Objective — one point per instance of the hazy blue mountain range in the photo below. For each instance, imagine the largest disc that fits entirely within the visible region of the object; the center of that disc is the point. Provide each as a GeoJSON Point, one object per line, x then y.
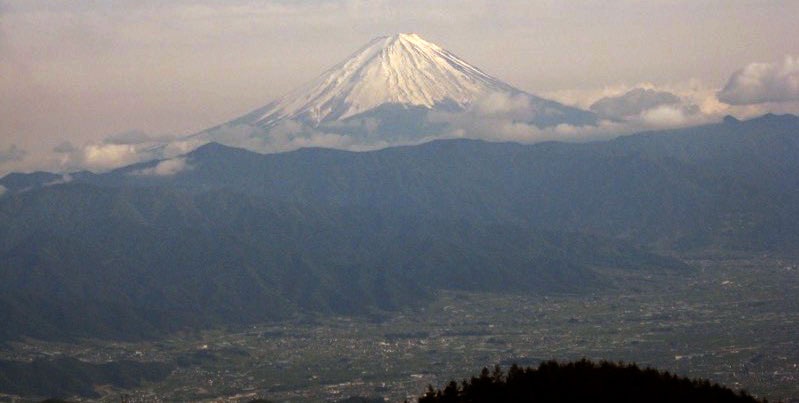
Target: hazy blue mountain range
{"type": "Point", "coordinates": [729, 185]}
{"type": "Point", "coordinates": [238, 237]}
{"type": "Point", "coordinates": [126, 262]}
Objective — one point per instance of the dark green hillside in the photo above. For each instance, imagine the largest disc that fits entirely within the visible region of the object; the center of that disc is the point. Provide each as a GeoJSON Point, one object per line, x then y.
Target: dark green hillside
{"type": "Point", "coordinates": [83, 260]}
{"type": "Point", "coordinates": [20, 182]}
{"type": "Point", "coordinates": [71, 377]}
{"type": "Point", "coordinates": [240, 237]}
{"type": "Point", "coordinates": [583, 381]}
{"type": "Point", "coordinates": [729, 186]}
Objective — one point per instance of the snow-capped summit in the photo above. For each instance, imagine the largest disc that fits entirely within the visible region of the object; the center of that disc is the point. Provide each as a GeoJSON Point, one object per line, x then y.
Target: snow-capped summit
{"type": "Point", "coordinates": [398, 89]}
{"type": "Point", "coordinates": [399, 69]}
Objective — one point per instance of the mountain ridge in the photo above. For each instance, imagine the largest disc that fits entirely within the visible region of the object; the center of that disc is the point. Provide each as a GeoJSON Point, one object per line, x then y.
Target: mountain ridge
{"type": "Point", "coordinates": [722, 181]}
{"type": "Point", "coordinates": [19, 180]}
{"type": "Point", "coordinates": [170, 260]}
{"type": "Point", "coordinates": [242, 237]}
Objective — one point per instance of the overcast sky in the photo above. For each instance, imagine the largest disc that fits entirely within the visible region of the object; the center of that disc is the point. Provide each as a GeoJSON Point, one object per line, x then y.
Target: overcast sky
{"type": "Point", "coordinates": [81, 71]}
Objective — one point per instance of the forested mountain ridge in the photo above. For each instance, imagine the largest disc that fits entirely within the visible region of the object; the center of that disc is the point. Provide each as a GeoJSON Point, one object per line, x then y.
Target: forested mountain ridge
{"type": "Point", "coordinates": [240, 237]}
{"type": "Point", "coordinates": [731, 185]}
{"type": "Point", "coordinates": [120, 262]}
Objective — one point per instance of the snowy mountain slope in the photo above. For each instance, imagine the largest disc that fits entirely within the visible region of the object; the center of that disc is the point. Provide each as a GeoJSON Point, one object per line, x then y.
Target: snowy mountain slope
{"type": "Point", "coordinates": [383, 95]}
{"type": "Point", "coordinates": [399, 69]}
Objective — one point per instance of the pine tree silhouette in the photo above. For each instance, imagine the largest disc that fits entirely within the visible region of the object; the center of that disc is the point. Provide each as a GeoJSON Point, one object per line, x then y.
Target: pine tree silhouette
{"type": "Point", "coordinates": [583, 381]}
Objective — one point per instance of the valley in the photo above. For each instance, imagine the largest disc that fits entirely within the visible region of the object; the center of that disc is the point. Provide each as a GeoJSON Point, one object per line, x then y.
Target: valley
{"type": "Point", "coordinates": [732, 320]}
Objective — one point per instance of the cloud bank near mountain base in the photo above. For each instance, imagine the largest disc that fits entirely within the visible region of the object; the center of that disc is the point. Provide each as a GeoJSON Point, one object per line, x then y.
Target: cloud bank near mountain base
{"type": "Point", "coordinates": [759, 83]}
{"type": "Point", "coordinates": [168, 167]}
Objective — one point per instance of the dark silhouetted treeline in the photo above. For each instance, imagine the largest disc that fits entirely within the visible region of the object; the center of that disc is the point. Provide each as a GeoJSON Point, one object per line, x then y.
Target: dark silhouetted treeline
{"type": "Point", "coordinates": [583, 381]}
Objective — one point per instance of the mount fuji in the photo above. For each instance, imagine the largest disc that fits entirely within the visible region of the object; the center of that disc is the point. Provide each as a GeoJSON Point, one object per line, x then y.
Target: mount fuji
{"type": "Point", "coordinates": [396, 89]}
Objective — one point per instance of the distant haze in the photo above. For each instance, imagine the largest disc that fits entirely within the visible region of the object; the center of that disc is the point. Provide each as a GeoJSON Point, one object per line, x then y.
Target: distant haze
{"type": "Point", "coordinates": [75, 75]}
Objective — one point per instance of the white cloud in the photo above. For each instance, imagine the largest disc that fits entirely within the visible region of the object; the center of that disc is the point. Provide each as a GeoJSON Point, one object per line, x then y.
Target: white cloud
{"type": "Point", "coordinates": [65, 178]}
{"type": "Point", "coordinates": [698, 104]}
{"type": "Point", "coordinates": [164, 168]}
{"type": "Point", "coordinates": [99, 156]}
{"type": "Point", "coordinates": [664, 116]}
{"type": "Point", "coordinates": [647, 106]}
{"type": "Point", "coordinates": [499, 104]}
{"type": "Point", "coordinates": [494, 117]}
{"type": "Point", "coordinates": [635, 102]}
{"type": "Point", "coordinates": [108, 156]}
{"type": "Point", "coordinates": [119, 150]}
{"type": "Point", "coordinates": [290, 135]}
{"type": "Point", "coordinates": [504, 118]}
{"type": "Point", "coordinates": [763, 82]}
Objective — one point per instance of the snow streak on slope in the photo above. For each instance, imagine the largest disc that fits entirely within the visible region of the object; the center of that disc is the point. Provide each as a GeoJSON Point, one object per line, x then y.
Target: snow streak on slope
{"type": "Point", "coordinates": [399, 69]}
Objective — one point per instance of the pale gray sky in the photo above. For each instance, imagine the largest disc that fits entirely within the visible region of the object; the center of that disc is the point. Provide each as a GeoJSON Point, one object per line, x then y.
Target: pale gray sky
{"type": "Point", "coordinates": [81, 71]}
